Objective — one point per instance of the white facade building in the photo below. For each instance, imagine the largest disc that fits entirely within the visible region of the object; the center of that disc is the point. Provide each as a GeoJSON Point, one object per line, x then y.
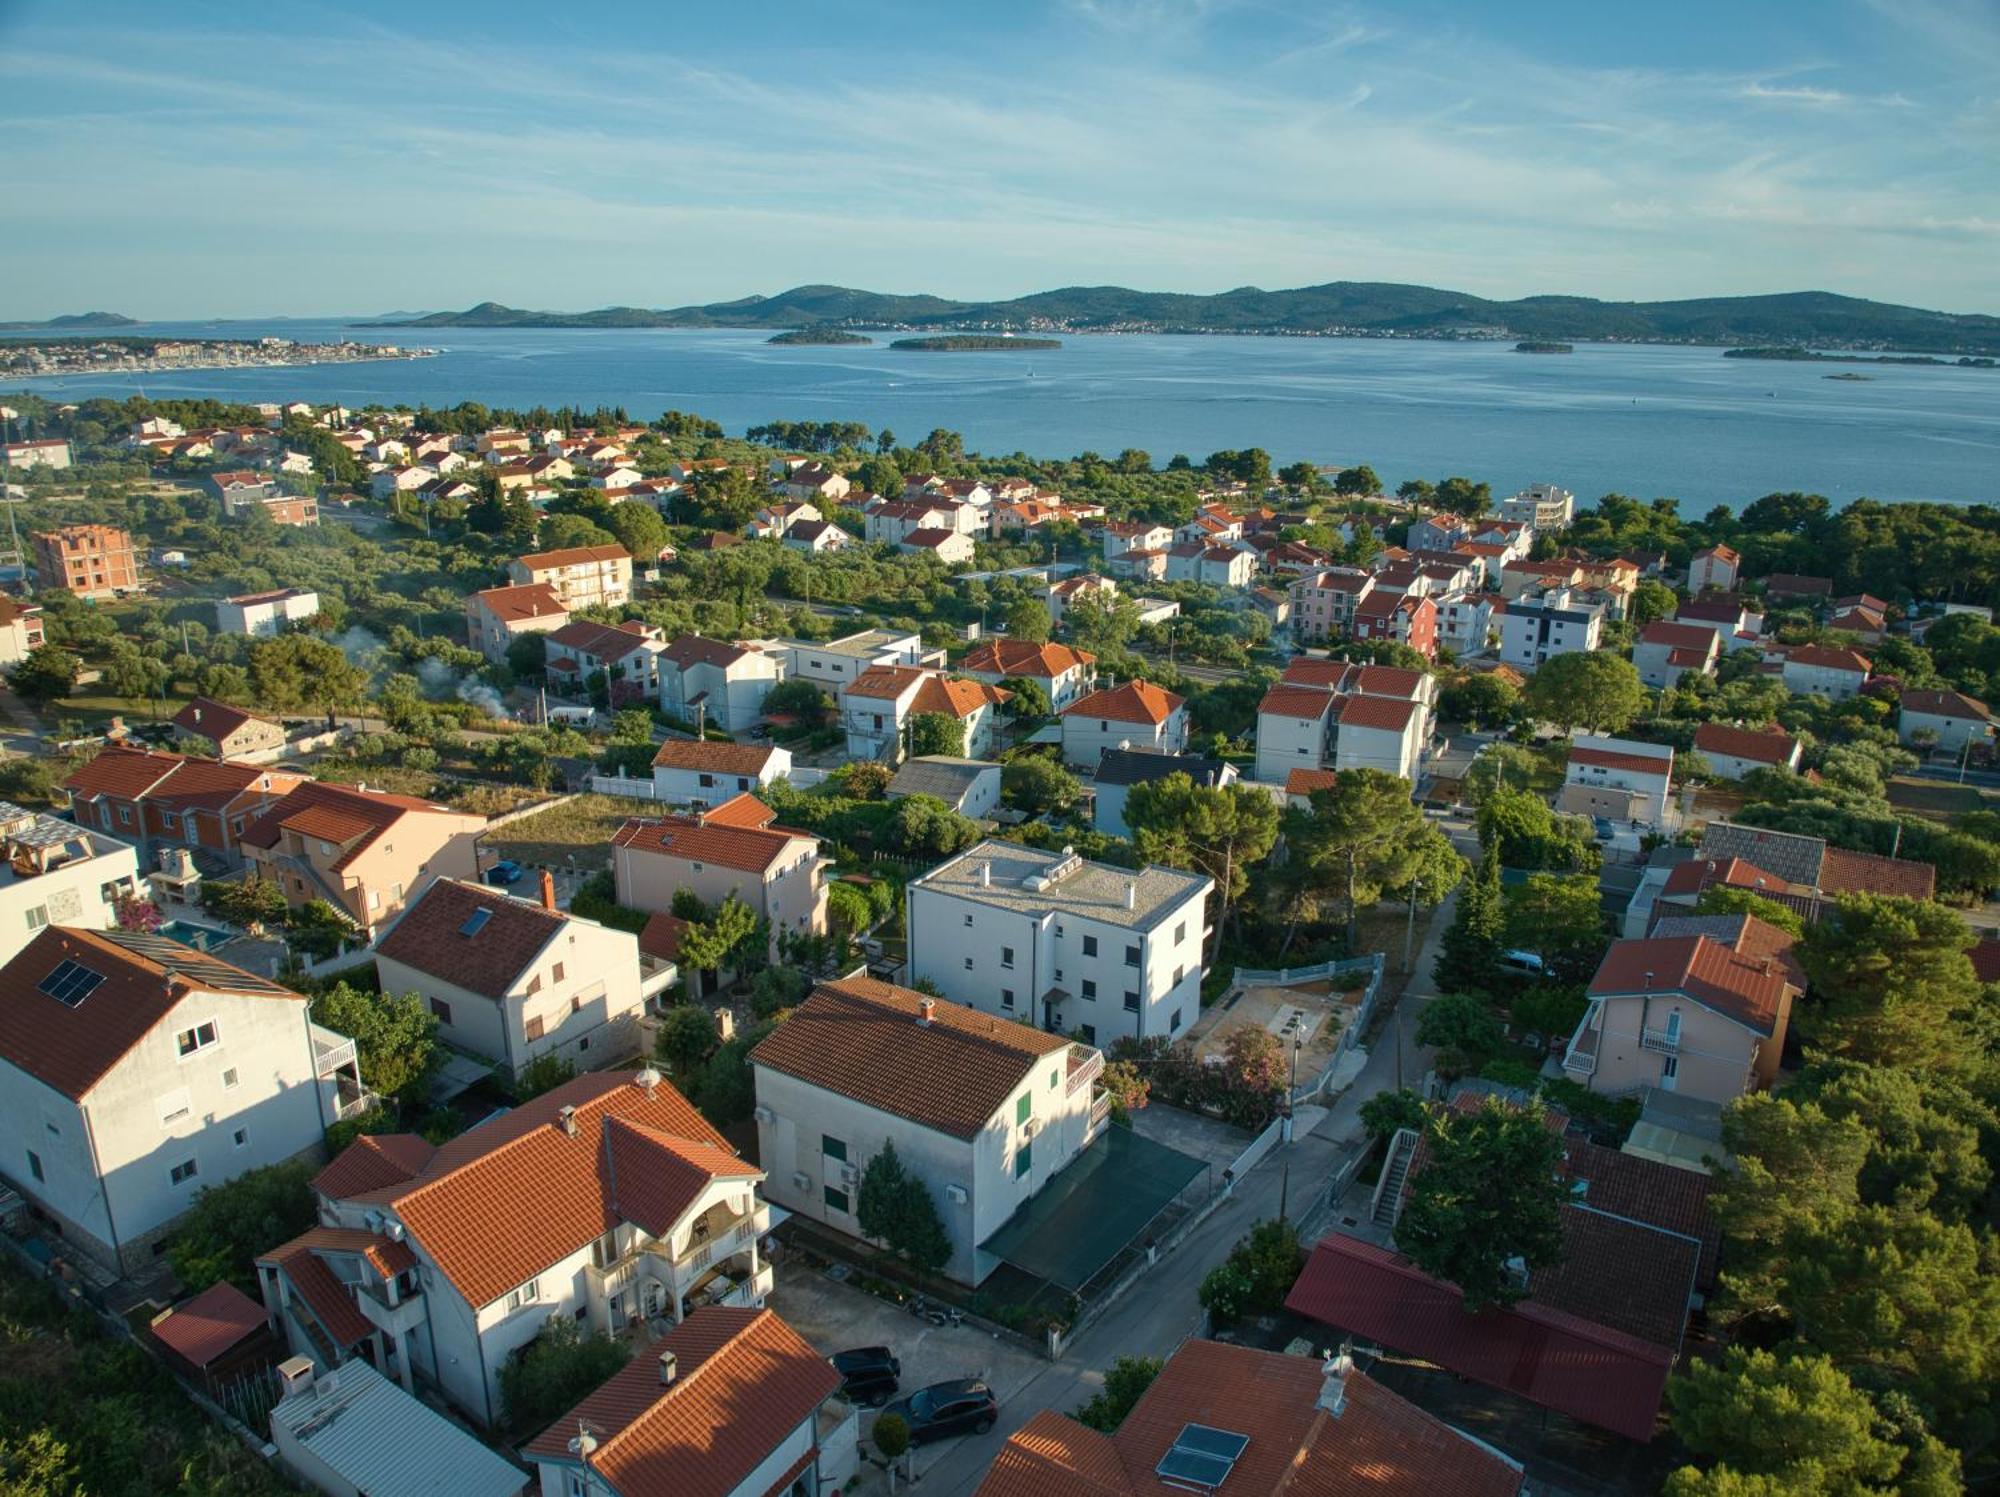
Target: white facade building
{"type": "Point", "coordinates": [1541, 507]}
{"type": "Point", "coordinates": [265, 613]}
{"type": "Point", "coordinates": [59, 873]}
{"type": "Point", "coordinates": [1534, 630]}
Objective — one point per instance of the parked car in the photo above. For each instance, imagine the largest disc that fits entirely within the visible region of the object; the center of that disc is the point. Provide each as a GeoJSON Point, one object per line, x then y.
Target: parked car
{"type": "Point", "coordinates": [506, 871]}
{"type": "Point", "coordinates": [964, 1406]}
{"type": "Point", "coordinates": [1522, 963]}
{"type": "Point", "coordinates": [1604, 829]}
{"type": "Point", "coordinates": [868, 1374]}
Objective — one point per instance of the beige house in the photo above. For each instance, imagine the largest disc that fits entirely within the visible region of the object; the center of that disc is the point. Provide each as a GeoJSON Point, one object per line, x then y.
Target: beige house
{"type": "Point", "coordinates": [515, 980]}
{"type": "Point", "coordinates": [1136, 714]}
{"type": "Point", "coordinates": [581, 576]}
{"type": "Point", "coordinates": [365, 852]}
{"type": "Point", "coordinates": [228, 732]}
{"type": "Point", "coordinates": [497, 617]}
{"type": "Point", "coordinates": [733, 849]}
{"type": "Point", "coordinates": [1700, 1006]}
{"type": "Point", "coordinates": [877, 706]}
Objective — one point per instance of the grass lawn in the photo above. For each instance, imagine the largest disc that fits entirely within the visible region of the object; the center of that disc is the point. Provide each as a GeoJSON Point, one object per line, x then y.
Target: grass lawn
{"type": "Point", "coordinates": [584, 824]}
{"type": "Point", "coordinates": [1936, 799]}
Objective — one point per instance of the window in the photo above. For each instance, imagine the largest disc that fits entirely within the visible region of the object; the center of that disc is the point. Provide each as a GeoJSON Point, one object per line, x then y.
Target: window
{"type": "Point", "coordinates": [968, 922]}
{"type": "Point", "coordinates": [1024, 1108]}
{"type": "Point", "coordinates": [833, 1148]}
{"type": "Point", "coordinates": [1180, 933]}
{"type": "Point", "coordinates": [1052, 1081]}
{"type": "Point", "coordinates": [707, 781]}
{"type": "Point", "coordinates": [125, 814]}
{"type": "Point", "coordinates": [968, 964]}
{"type": "Point", "coordinates": [35, 1166]}
{"type": "Point", "coordinates": [557, 974]}
{"type": "Point", "coordinates": [1024, 1160]}
{"type": "Point", "coordinates": [1087, 1033]}
{"type": "Point", "coordinates": [442, 1010]}
{"type": "Point", "coordinates": [1006, 997]}
{"type": "Point", "coordinates": [535, 1027]}
{"type": "Point", "coordinates": [1006, 956]}
{"type": "Point", "coordinates": [174, 1106]}
{"type": "Point", "coordinates": [1174, 1025]}
{"type": "Point", "coordinates": [1131, 956]}
{"type": "Point", "coordinates": [1090, 946]}
{"type": "Point", "coordinates": [241, 1138]}
{"type": "Point", "coordinates": [1179, 973]}
{"type": "Point", "coordinates": [1131, 1001]}
{"type": "Point", "coordinates": [38, 917]}
{"type": "Point", "coordinates": [527, 1294]}
{"type": "Point", "coordinates": [188, 1041]}
{"type": "Point", "coordinates": [1090, 989]}
{"type": "Point", "coordinates": [576, 1003]}
{"type": "Point", "coordinates": [836, 1200]}
{"type": "Point", "coordinates": [181, 1173]}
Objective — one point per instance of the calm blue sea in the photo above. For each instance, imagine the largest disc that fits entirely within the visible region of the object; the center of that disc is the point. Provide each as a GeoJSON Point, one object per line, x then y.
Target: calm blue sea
{"type": "Point", "coordinates": [1645, 421]}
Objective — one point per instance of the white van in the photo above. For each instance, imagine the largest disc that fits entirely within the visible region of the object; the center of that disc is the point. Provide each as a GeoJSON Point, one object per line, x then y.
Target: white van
{"type": "Point", "coordinates": [1521, 963]}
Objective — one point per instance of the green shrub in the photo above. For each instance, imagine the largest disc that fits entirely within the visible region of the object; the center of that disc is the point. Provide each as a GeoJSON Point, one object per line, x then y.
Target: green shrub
{"type": "Point", "coordinates": [555, 1370]}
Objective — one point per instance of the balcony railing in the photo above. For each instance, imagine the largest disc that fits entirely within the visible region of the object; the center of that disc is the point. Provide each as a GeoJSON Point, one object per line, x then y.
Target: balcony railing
{"type": "Point", "coordinates": [1100, 1110]}
{"type": "Point", "coordinates": [1666, 1041]}
{"type": "Point", "coordinates": [1083, 1075]}
{"type": "Point", "coordinates": [330, 1052]}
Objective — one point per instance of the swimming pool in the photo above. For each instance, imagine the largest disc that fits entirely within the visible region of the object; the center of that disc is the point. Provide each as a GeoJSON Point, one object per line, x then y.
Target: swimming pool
{"type": "Point", "coordinates": [200, 937]}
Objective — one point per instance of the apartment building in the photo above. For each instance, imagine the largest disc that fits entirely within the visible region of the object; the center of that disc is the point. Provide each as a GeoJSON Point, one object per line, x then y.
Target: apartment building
{"type": "Point", "coordinates": [580, 576]}
{"type": "Point", "coordinates": [497, 617]}
{"type": "Point", "coordinates": [1408, 619]}
{"type": "Point", "coordinates": [1620, 778]}
{"type": "Point", "coordinates": [1218, 565]}
{"type": "Point", "coordinates": [1825, 671]}
{"type": "Point", "coordinates": [1058, 942]}
{"type": "Point", "coordinates": [135, 1072]}
{"type": "Point", "coordinates": [1533, 630]}
{"type": "Point", "coordinates": [731, 850]}
{"type": "Point", "coordinates": [1330, 714]}
{"type": "Point", "coordinates": [90, 561]}
{"type": "Point", "coordinates": [265, 613]}
{"type": "Point", "coordinates": [984, 1111]}
{"type": "Point", "coordinates": [608, 1201]}
{"type": "Point", "coordinates": [58, 873]}
{"type": "Point", "coordinates": [719, 682]}
{"type": "Point", "coordinates": [1063, 674]}
{"type": "Point", "coordinates": [157, 799]}
{"type": "Point", "coordinates": [626, 655]}
{"type": "Point", "coordinates": [365, 852]}
{"type": "Point", "coordinates": [877, 706]}
{"type": "Point", "coordinates": [1121, 536]}
{"type": "Point", "coordinates": [1542, 507]}
{"type": "Point", "coordinates": [1135, 714]}
{"type": "Point", "coordinates": [514, 980]}
{"type": "Point", "coordinates": [1323, 603]}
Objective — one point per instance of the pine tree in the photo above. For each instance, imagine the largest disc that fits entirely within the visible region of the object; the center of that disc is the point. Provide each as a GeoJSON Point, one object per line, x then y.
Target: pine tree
{"type": "Point", "coordinates": [1472, 944]}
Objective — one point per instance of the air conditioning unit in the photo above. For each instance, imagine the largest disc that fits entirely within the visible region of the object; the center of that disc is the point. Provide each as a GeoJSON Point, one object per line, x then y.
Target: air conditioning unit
{"type": "Point", "coordinates": [956, 1194]}
{"type": "Point", "coordinates": [850, 1175]}
{"type": "Point", "coordinates": [801, 1181]}
{"type": "Point", "coordinates": [762, 1114]}
{"type": "Point", "coordinates": [393, 1230]}
{"type": "Point", "coordinates": [1032, 1127]}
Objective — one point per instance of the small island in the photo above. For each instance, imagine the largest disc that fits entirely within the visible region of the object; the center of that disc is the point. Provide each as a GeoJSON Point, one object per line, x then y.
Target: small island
{"type": "Point", "coordinates": [1793, 354]}
{"type": "Point", "coordinates": [972, 342]}
{"type": "Point", "coordinates": [816, 337]}
{"type": "Point", "coordinates": [1534, 347]}
{"type": "Point", "coordinates": [1850, 375]}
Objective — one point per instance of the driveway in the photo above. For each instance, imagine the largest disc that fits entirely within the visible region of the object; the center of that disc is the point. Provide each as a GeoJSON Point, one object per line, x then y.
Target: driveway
{"type": "Point", "coordinates": [1206, 1138]}
{"type": "Point", "coordinates": [834, 1316]}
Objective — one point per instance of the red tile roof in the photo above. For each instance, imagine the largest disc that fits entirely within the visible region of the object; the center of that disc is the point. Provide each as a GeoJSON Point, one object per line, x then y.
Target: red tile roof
{"type": "Point", "coordinates": [531, 600]}
{"type": "Point", "coordinates": [1844, 872]}
{"type": "Point", "coordinates": [1387, 713]}
{"type": "Point", "coordinates": [203, 1328]}
{"type": "Point", "coordinates": [608, 642]}
{"type": "Point", "coordinates": [572, 556]}
{"type": "Point", "coordinates": [373, 1161]}
{"type": "Point", "coordinates": [1556, 1360]}
{"type": "Point", "coordinates": [1310, 670]}
{"type": "Point", "coordinates": [1827, 657]}
{"type": "Point", "coordinates": [711, 757]}
{"type": "Point", "coordinates": [1019, 657]}
{"type": "Point", "coordinates": [464, 1209]}
{"type": "Point", "coordinates": [329, 1301]}
{"type": "Point", "coordinates": [1300, 702]}
{"type": "Point", "coordinates": [727, 840]}
{"type": "Point", "coordinates": [885, 681]}
{"type": "Point", "coordinates": [695, 649]}
{"type": "Point", "coordinates": [744, 1382]}
{"type": "Point", "coordinates": [1678, 636]}
{"type": "Point", "coordinates": [430, 936]}
{"type": "Point", "coordinates": [1762, 745]}
{"type": "Point", "coordinates": [956, 698]}
{"type": "Point", "coordinates": [384, 1255]}
{"type": "Point", "coordinates": [1377, 1445]}
{"type": "Point", "coordinates": [70, 1049]}
{"type": "Point", "coordinates": [1747, 980]}
{"type": "Point", "coordinates": [661, 939]}
{"type": "Point", "coordinates": [1129, 701]}
{"type": "Point", "coordinates": [1698, 874]}
{"type": "Point", "coordinates": [865, 1040]}
{"type": "Point", "coordinates": [1306, 781]}
{"type": "Point", "coordinates": [173, 780]}
{"type": "Point", "coordinates": [1944, 704]}
{"type": "Point", "coordinates": [1612, 759]}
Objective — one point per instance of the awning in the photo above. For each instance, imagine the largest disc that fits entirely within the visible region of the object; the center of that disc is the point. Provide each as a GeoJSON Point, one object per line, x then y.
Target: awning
{"type": "Point", "coordinates": [1096, 1208]}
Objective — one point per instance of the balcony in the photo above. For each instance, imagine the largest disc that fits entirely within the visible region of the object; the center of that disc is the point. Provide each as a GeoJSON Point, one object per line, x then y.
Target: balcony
{"type": "Point", "coordinates": [1582, 1054]}
{"type": "Point", "coordinates": [331, 1052]}
{"type": "Point", "coordinates": [1084, 1073]}
{"type": "Point", "coordinates": [717, 1237]}
{"type": "Point", "coordinates": [739, 1288]}
{"type": "Point", "coordinates": [1665, 1041]}
{"type": "Point", "coordinates": [1100, 1111]}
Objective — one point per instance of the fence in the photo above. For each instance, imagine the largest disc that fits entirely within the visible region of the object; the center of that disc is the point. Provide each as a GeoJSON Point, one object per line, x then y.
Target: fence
{"type": "Point", "coordinates": [1373, 965]}
{"type": "Point", "coordinates": [611, 784]}
{"type": "Point", "coordinates": [1257, 1148]}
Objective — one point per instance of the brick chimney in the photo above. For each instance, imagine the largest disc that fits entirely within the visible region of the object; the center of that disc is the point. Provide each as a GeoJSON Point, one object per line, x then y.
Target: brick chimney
{"type": "Point", "coordinates": [926, 1010]}
{"type": "Point", "coordinates": [548, 890]}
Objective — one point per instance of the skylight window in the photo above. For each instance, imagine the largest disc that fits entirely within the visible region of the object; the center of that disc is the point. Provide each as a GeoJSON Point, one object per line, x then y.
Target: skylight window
{"type": "Point", "coordinates": [70, 983]}
{"type": "Point", "coordinates": [1201, 1458]}
{"type": "Point", "coordinates": [475, 922]}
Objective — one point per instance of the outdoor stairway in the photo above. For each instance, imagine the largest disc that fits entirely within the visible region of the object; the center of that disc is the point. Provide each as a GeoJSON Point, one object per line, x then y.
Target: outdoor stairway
{"type": "Point", "coordinates": [1395, 1170]}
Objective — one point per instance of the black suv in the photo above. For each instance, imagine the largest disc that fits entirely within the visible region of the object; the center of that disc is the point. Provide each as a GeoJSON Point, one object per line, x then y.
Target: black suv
{"type": "Point", "coordinates": [960, 1407]}
{"type": "Point", "coordinates": [867, 1374]}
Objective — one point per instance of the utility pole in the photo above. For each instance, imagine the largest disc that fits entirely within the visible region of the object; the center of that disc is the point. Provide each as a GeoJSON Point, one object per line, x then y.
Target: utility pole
{"type": "Point", "coordinates": [1410, 929]}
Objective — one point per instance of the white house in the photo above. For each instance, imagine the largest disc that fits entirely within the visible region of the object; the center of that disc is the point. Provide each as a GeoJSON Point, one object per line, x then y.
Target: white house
{"type": "Point", "coordinates": [1533, 630]}
{"type": "Point", "coordinates": [1717, 567]}
{"type": "Point", "coordinates": [1216, 565]}
{"type": "Point", "coordinates": [730, 851]}
{"type": "Point", "coordinates": [876, 707]}
{"type": "Point", "coordinates": [265, 613]}
{"type": "Point", "coordinates": [53, 453]}
{"type": "Point", "coordinates": [894, 521]}
{"type": "Point", "coordinates": [1826, 671]}
{"type": "Point", "coordinates": [1617, 777]}
{"type": "Point", "coordinates": [1465, 622]}
{"type": "Point", "coordinates": [1734, 752]}
{"type": "Point", "coordinates": [1136, 714]}
{"type": "Point", "coordinates": [723, 682]}
{"type": "Point", "coordinates": [390, 481]}
{"type": "Point", "coordinates": [817, 537]}
{"type": "Point", "coordinates": [983, 1112]}
{"type": "Point", "coordinates": [1054, 940]}
{"type": "Point", "coordinates": [626, 654]}
{"type": "Point", "coordinates": [970, 787]}
{"type": "Point", "coordinates": [1330, 714]}
{"type": "Point", "coordinates": [134, 1071]}
{"type": "Point", "coordinates": [514, 980]}
{"type": "Point", "coordinates": [1085, 585]}
{"type": "Point", "coordinates": [951, 547]}
{"type": "Point", "coordinates": [1120, 769]}
{"type": "Point", "coordinates": [833, 663]}
{"type": "Point", "coordinates": [1121, 536]}
{"type": "Point", "coordinates": [1542, 507]}
{"type": "Point", "coordinates": [58, 873]}
{"type": "Point", "coordinates": [702, 772]}
{"type": "Point", "coordinates": [1950, 717]}
{"type": "Point", "coordinates": [1665, 651]}
{"type": "Point", "coordinates": [608, 1200]}
{"type": "Point", "coordinates": [765, 1401]}
{"type": "Point", "coordinates": [1063, 673]}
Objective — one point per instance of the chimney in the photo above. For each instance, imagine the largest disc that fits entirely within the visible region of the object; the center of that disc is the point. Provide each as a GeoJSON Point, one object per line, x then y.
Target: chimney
{"type": "Point", "coordinates": [647, 1080]}
{"type": "Point", "coordinates": [295, 1377]}
{"type": "Point", "coordinates": [926, 1010]}
{"type": "Point", "coordinates": [1131, 894]}
{"type": "Point", "coordinates": [1333, 1374]}
{"type": "Point", "coordinates": [548, 890]}
{"type": "Point", "coordinates": [986, 875]}
{"type": "Point", "coordinates": [1649, 979]}
{"type": "Point", "coordinates": [670, 1368]}
{"type": "Point", "coordinates": [567, 1119]}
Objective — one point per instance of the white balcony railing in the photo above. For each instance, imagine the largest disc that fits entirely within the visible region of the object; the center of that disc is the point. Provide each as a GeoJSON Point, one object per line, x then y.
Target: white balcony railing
{"type": "Point", "coordinates": [1666, 1041]}
{"type": "Point", "coordinates": [330, 1051]}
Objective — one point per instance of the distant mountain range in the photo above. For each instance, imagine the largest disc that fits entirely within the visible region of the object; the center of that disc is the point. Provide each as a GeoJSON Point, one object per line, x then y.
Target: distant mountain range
{"type": "Point", "coordinates": [1807, 318]}
{"type": "Point", "coordinates": [74, 322]}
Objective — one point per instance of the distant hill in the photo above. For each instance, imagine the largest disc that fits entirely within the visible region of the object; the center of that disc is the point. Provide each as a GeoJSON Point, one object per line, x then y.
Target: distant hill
{"type": "Point", "coordinates": [1805, 318]}
{"type": "Point", "coordinates": [74, 322]}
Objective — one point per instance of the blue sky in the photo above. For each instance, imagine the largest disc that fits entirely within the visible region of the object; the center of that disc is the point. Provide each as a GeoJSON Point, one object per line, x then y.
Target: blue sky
{"type": "Point", "coordinates": [203, 160]}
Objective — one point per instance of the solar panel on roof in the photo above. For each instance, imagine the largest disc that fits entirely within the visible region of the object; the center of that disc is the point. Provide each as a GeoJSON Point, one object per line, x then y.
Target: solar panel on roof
{"type": "Point", "coordinates": [475, 922]}
{"type": "Point", "coordinates": [1201, 1457]}
{"type": "Point", "coordinates": [1215, 1442]}
{"type": "Point", "coordinates": [70, 983]}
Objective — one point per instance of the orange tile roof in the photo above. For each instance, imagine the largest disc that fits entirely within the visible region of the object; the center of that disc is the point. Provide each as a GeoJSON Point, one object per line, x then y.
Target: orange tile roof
{"type": "Point", "coordinates": [744, 1381]}
{"type": "Point", "coordinates": [203, 1328]}
{"type": "Point", "coordinates": [696, 649]}
{"type": "Point", "coordinates": [171, 779]}
{"type": "Point", "coordinates": [1378, 1445]}
{"type": "Point", "coordinates": [1612, 759]}
{"type": "Point", "coordinates": [465, 1212]}
{"type": "Point", "coordinates": [70, 1049]}
{"type": "Point", "coordinates": [957, 698]}
{"type": "Point", "coordinates": [1391, 714]}
{"type": "Point", "coordinates": [661, 939]}
{"type": "Point", "coordinates": [430, 936]}
{"type": "Point", "coordinates": [340, 814]}
{"type": "Point", "coordinates": [1306, 781]}
{"type": "Point", "coordinates": [330, 1302]}
{"type": "Point", "coordinates": [885, 681]}
{"type": "Point", "coordinates": [1302, 702]}
{"type": "Point", "coordinates": [714, 758]}
{"type": "Point", "coordinates": [1844, 872]}
{"type": "Point", "coordinates": [1019, 657]}
{"type": "Point", "coordinates": [1944, 704]}
{"type": "Point", "coordinates": [372, 1161]}
{"type": "Point", "coordinates": [1746, 981]}
{"type": "Point", "coordinates": [1763, 745]}
{"type": "Point", "coordinates": [1130, 702]}
{"type": "Point", "coordinates": [531, 600]}
{"type": "Point", "coordinates": [388, 1258]}
{"type": "Point", "coordinates": [864, 1039]}
{"type": "Point", "coordinates": [1678, 636]}
{"type": "Point", "coordinates": [731, 840]}
{"type": "Point", "coordinates": [572, 556]}
{"type": "Point", "coordinates": [1826, 657]}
